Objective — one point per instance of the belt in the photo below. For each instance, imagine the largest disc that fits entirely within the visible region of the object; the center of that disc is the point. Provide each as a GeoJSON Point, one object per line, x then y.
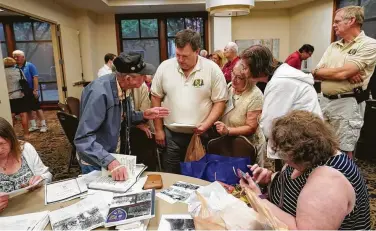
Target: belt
{"type": "Point", "coordinates": [339, 96]}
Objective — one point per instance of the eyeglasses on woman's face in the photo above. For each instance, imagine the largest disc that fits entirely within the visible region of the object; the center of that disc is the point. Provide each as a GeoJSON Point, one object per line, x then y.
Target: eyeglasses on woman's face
{"type": "Point", "coordinates": [237, 76]}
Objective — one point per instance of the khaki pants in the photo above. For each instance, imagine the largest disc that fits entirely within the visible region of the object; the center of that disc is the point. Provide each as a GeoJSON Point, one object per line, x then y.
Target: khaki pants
{"type": "Point", "coordinates": [346, 117]}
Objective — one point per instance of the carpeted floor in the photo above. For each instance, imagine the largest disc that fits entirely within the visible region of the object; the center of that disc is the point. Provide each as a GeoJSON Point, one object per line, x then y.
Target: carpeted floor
{"type": "Point", "coordinates": [54, 149]}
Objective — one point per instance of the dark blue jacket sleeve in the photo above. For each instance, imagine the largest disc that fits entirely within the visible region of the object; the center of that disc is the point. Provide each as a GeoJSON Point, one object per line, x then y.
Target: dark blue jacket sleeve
{"type": "Point", "coordinates": [137, 117]}
{"type": "Point", "coordinates": [93, 113]}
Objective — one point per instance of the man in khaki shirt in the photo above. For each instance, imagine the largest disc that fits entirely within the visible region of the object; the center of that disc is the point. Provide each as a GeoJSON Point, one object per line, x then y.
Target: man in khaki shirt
{"type": "Point", "coordinates": [194, 90]}
{"type": "Point", "coordinates": [346, 68]}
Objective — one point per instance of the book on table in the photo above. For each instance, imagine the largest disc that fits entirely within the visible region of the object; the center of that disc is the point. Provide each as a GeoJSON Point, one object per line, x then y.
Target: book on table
{"type": "Point", "coordinates": [60, 191]}
{"type": "Point", "coordinates": [105, 182]}
{"type": "Point", "coordinates": [131, 207]}
{"type": "Point", "coordinates": [29, 221]}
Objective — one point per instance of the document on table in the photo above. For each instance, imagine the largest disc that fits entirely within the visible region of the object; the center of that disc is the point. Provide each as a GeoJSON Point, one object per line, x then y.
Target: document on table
{"type": "Point", "coordinates": [86, 214]}
{"type": "Point", "coordinates": [178, 192]}
{"type": "Point", "coordinates": [24, 190]}
{"type": "Point", "coordinates": [108, 184]}
{"type": "Point", "coordinates": [176, 222]}
{"type": "Point", "coordinates": [65, 190]}
{"type": "Point", "coordinates": [30, 221]}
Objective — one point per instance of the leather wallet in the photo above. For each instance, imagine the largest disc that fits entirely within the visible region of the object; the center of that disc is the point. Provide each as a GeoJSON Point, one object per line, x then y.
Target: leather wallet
{"type": "Point", "coordinates": [154, 181]}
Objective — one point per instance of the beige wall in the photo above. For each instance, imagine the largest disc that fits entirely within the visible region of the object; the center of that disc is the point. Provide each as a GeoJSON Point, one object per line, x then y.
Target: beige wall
{"type": "Point", "coordinates": [106, 39]}
{"type": "Point", "coordinates": [265, 24]}
{"type": "Point", "coordinates": [312, 23]}
{"type": "Point", "coordinates": [84, 34]}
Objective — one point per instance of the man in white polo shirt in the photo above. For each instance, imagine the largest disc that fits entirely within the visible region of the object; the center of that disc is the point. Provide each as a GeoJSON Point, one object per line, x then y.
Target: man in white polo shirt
{"type": "Point", "coordinates": [195, 91]}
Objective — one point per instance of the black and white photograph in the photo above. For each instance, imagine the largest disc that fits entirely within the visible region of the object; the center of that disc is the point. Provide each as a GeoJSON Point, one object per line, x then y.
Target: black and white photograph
{"type": "Point", "coordinates": [141, 208]}
{"type": "Point", "coordinates": [124, 200]}
{"type": "Point", "coordinates": [87, 220]}
{"type": "Point", "coordinates": [176, 222]}
{"type": "Point", "coordinates": [90, 219]}
{"type": "Point", "coordinates": [138, 210]}
{"type": "Point", "coordinates": [174, 194]}
{"type": "Point", "coordinates": [143, 196]}
{"type": "Point", "coordinates": [187, 186]}
{"type": "Point", "coordinates": [70, 223]}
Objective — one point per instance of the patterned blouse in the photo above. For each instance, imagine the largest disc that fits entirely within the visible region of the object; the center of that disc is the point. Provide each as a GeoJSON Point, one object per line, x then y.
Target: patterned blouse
{"type": "Point", "coordinates": [237, 108]}
{"type": "Point", "coordinates": [9, 183]}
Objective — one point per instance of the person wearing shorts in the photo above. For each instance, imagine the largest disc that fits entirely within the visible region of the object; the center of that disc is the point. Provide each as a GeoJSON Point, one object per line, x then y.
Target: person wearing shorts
{"type": "Point", "coordinates": [18, 102]}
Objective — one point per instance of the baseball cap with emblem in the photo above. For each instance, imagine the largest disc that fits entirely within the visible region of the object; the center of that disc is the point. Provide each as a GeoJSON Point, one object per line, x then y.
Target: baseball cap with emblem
{"type": "Point", "coordinates": [132, 62]}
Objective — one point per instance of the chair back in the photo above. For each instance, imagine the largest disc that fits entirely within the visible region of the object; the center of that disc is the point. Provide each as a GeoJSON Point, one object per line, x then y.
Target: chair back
{"type": "Point", "coordinates": [69, 123]}
{"type": "Point", "coordinates": [63, 107]}
{"type": "Point", "coordinates": [234, 146]}
{"type": "Point", "coordinates": [74, 106]}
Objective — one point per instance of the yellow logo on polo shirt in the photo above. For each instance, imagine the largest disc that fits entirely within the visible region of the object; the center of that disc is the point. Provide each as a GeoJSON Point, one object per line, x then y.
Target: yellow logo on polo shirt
{"type": "Point", "coordinates": [198, 83]}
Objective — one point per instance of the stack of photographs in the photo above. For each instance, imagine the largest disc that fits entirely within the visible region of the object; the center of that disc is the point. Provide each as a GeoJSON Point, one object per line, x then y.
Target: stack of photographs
{"type": "Point", "coordinates": [178, 192]}
{"type": "Point", "coordinates": [131, 207]}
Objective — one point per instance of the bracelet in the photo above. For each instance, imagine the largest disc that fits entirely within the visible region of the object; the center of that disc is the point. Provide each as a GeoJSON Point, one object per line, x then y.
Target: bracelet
{"type": "Point", "coordinates": [228, 131]}
{"type": "Point", "coordinates": [120, 166]}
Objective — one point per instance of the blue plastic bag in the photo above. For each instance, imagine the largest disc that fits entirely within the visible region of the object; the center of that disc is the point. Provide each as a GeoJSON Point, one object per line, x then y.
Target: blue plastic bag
{"type": "Point", "coordinates": [215, 167]}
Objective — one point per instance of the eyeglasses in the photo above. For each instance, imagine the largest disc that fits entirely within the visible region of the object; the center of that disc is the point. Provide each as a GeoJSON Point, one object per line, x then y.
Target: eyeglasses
{"type": "Point", "coordinates": [239, 77]}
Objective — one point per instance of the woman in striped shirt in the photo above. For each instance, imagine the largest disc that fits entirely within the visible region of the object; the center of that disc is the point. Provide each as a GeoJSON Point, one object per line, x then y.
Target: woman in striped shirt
{"type": "Point", "coordinates": [319, 188]}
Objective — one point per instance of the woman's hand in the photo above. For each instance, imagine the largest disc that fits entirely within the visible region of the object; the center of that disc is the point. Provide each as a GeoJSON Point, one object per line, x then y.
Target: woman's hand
{"type": "Point", "coordinates": [222, 129]}
{"type": "Point", "coordinates": [261, 175]}
{"type": "Point", "coordinates": [34, 180]}
{"type": "Point", "coordinates": [249, 183]}
{"type": "Point", "coordinates": [4, 198]}
{"type": "Point", "coordinates": [146, 129]}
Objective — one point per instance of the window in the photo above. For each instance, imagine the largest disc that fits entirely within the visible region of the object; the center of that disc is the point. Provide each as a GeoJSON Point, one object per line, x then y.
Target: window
{"type": "Point", "coordinates": [34, 38]}
{"type": "Point", "coordinates": [141, 35]}
{"type": "Point", "coordinates": [153, 35]}
{"type": "Point", "coordinates": [4, 48]}
{"type": "Point", "coordinates": [175, 25]}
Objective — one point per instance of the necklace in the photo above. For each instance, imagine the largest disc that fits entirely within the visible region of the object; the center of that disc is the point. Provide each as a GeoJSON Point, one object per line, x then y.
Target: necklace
{"type": "Point", "coordinates": [5, 165]}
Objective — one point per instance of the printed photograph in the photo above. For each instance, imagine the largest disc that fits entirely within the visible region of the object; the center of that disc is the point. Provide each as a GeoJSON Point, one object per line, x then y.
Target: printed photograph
{"type": "Point", "coordinates": [181, 224]}
{"type": "Point", "coordinates": [138, 210]}
{"type": "Point", "coordinates": [144, 196]}
{"type": "Point", "coordinates": [90, 219]}
{"type": "Point", "coordinates": [70, 223]}
{"type": "Point", "coordinates": [176, 194]}
{"type": "Point", "coordinates": [124, 200]}
{"type": "Point", "coordinates": [184, 185]}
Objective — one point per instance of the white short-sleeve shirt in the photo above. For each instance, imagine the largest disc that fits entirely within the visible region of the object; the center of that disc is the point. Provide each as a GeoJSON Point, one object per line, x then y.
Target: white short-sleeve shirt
{"type": "Point", "coordinates": [190, 99]}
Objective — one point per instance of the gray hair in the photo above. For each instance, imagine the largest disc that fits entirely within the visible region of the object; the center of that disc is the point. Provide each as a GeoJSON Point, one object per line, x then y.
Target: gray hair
{"type": "Point", "coordinates": [233, 46]}
{"type": "Point", "coordinates": [18, 52]}
{"type": "Point", "coordinates": [356, 12]}
{"type": "Point", "coordinates": [203, 53]}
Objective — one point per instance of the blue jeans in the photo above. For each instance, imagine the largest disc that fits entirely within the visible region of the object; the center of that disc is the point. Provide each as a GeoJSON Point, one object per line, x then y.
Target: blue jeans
{"type": "Point", "coordinates": [85, 169]}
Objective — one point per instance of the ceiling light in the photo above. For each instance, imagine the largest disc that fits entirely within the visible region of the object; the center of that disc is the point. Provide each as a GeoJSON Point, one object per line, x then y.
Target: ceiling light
{"type": "Point", "coordinates": [227, 8]}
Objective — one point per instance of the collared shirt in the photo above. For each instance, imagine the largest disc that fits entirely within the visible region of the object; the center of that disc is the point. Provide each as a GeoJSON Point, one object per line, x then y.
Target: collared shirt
{"type": "Point", "coordinates": [30, 71]}
{"type": "Point", "coordinates": [190, 99]}
{"type": "Point", "coordinates": [104, 70]}
{"type": "Point", "coordinates": [294, 60]}
{"type": "Point", "coordinates": [227, 69]}
{"type": "Point", "coordinates": [361, 51]}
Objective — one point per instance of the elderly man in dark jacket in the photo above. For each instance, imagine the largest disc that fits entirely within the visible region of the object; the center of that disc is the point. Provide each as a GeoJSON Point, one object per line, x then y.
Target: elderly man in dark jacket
{"type": "Point", "coordinates": [105, 103]}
